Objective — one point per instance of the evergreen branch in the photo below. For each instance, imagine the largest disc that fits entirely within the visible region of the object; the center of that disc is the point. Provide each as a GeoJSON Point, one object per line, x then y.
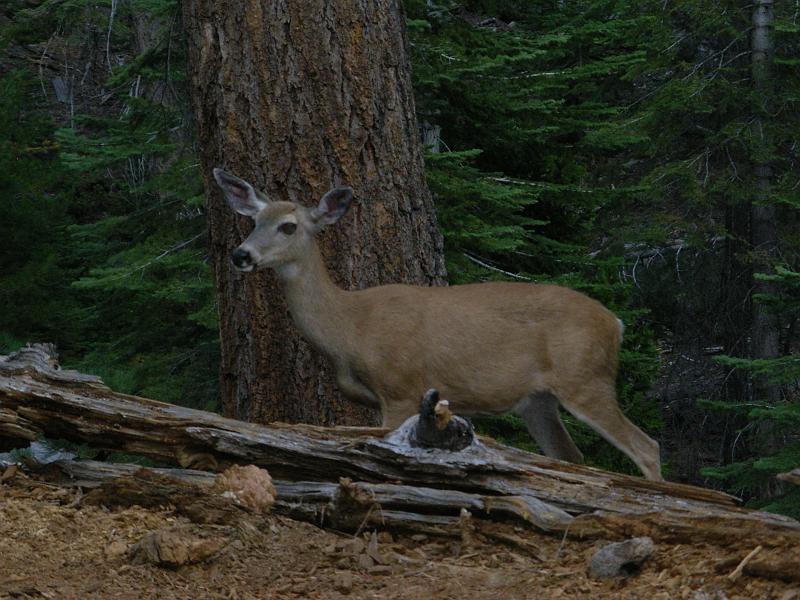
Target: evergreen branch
{"type": "Point", "coordinates": [485, 265]}
{"type": "Point", "coordinates": [696, 68]}
{"type": "Point", "coordinates": [162, 255]}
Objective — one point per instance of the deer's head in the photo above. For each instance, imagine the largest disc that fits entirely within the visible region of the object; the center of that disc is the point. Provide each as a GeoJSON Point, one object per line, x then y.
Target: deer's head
{"type": "Point", "coordinates": [284, 231]}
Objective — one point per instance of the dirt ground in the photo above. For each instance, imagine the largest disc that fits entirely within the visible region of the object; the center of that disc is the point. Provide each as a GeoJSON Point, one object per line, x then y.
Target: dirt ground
{"type": "Point", "coordinates": [52, 546]}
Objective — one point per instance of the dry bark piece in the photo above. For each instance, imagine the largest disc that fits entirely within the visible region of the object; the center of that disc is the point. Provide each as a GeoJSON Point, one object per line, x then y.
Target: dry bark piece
{"type": "Point", "coordinates": [620, 558]}
{"type": "Point", "coordinates": [249, 486]}
{"type": "Point", "coordinates": [365, 562]}
{"type": "Point", "coordinates": [372, 549]}
{"type": "Point", "coordinates": [385, 537]}
{"type": "Point", "coordinates": [531, 550]}
{"type": "Point", "coordinates": [353, 546]}
{"type": "Point", "coordinates": [175, 547]}
{"type": "Point", "coordinates": [20, 589]}
{"type": "Point", "coordinates": [115, 549]}
{"type": "Point", "coordinates": [380, 570]}
{"type": "Point", "coordinates": [466, 529]}
{"type": "Point", "coordinates": [351, 506]}
{"type": "Point", "coordinates": [343, 582]}
{"type": "Point", "coordinates": [9, 473]}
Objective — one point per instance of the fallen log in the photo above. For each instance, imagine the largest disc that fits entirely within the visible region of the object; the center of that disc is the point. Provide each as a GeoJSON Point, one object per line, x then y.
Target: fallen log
{"type": "Point", "coordinates": [488, 479]}
{"type": "Point", "coordinates": [345, 506]}
{"type": "Point", "coordinates": [792, 476]}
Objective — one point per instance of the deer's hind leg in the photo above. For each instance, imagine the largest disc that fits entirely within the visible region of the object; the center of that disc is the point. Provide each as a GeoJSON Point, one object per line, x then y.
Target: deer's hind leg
{"type": "Point", "coordinates": [596, 405]}
{"type": "Point", "coordinates": [540, 413]}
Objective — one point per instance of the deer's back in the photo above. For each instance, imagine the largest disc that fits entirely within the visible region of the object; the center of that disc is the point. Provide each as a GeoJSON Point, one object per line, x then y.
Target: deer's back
{"type": "Point", "coordinates": [479, 341]}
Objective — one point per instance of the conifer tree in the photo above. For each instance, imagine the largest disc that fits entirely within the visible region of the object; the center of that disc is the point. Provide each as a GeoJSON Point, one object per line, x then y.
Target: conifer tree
{"type": "Point", "coordinates": [115, 239]}
{"type": "Point", "coordinates": [718, 102]}
{"type": "Point", "coordinates": [524, 99]}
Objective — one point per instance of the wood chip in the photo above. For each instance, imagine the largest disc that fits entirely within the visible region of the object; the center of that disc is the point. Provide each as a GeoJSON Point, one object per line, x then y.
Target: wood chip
{"type": "Point", "coordinates": [9, 473]}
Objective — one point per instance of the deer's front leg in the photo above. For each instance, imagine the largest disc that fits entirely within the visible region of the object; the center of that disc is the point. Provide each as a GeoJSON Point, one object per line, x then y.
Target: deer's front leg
{"type": "Point", "coordinates": [351, 387]}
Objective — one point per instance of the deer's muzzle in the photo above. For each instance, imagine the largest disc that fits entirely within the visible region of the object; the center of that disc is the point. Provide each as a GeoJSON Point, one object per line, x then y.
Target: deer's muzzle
{"type": "Point", "coordinates": [242, 259]}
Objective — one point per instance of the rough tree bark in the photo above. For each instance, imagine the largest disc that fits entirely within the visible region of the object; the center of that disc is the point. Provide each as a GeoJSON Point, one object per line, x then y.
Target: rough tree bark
{"type": "Point", "coordinates": [297, 97]}
{"type": "Point", "coordinates": [764, 226]}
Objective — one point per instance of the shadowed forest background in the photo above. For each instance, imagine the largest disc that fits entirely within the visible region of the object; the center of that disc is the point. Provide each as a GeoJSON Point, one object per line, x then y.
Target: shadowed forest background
{"type": "Point", "coordinates": [630, 150]}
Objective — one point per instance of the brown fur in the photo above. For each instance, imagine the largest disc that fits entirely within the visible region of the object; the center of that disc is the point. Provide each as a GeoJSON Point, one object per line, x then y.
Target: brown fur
{"type": "Point", "coordinates": [489, 348]}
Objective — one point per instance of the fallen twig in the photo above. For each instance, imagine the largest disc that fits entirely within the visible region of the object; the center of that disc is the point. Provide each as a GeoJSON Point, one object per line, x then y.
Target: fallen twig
{"type": "Point", "coordinates": [737, 572]}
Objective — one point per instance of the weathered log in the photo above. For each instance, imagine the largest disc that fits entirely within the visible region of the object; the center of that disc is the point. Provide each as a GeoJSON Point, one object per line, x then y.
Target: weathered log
{"type": "Point", "coordinates": [346, 506]}
{"type": "Point", "coordinates": [490, 479]}
{"type": "Point", "coordinates": [148, 489]}
{"type": "Point", "coordinates": [792, 476]}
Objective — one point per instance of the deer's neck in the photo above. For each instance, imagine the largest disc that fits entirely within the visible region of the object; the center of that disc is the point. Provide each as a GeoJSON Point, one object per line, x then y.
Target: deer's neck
{"type": "Point", "coordinates": [319, 307]}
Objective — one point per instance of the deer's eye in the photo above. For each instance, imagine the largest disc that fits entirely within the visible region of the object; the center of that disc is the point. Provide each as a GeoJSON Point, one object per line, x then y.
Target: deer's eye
{"type": "Point", "coordinates": [288, 228]}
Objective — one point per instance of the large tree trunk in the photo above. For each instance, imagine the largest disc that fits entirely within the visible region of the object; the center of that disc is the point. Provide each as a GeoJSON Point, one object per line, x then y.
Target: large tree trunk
{"type": "Point", "coordinates": [297, 97]}
{"type": "Point", "coordinates": [764, 225]}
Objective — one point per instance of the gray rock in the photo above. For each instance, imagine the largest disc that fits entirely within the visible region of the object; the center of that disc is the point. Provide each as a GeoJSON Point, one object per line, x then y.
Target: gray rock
{"type": "Point", "coordinates": [621, 558]}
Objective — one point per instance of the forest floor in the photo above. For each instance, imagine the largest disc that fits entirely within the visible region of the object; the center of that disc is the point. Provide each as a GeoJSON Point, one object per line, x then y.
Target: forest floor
{"type": "Point", "coordinates": [52, 546]}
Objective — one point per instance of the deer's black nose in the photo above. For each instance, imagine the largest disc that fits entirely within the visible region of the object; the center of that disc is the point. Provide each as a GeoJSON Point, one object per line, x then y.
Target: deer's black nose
{"type": "Point", "coordinates": [241, 258]}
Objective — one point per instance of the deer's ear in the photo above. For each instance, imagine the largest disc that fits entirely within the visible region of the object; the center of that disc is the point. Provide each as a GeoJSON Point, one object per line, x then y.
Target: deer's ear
{"type": "Point", "coordinates": [240, 195]}
{"type": "Point", "coordinates": [332, 206]}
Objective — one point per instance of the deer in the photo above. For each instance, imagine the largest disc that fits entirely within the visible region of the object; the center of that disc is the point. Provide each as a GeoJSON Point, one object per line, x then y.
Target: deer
{"type": "Point", "coordinates": [490, 347]}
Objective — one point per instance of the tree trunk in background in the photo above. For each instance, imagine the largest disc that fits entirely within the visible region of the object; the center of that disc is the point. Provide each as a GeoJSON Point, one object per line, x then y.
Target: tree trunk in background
{"type": "Point", "coordinates": [736, 314]}
{"type": "Point", "coordinates": [297, 97]}
{"type": "Point", "coordinates": [764, 233]}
